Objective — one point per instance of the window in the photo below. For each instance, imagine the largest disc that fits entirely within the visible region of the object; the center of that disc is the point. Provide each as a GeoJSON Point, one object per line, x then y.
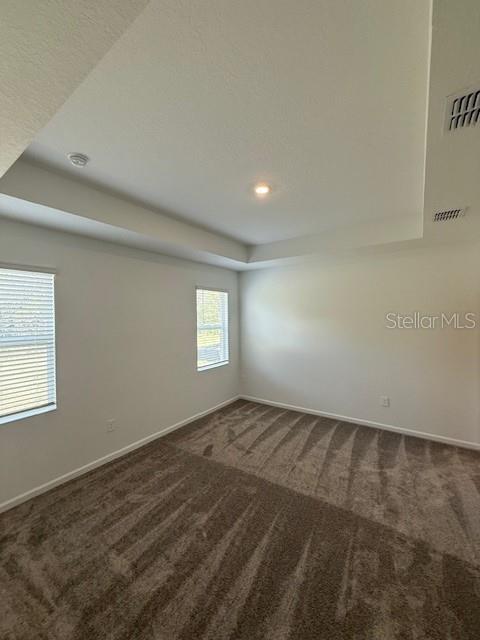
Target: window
{"type": "Point", "coordinates": [212, 328]}
{"type": "Point", "coordinates": [27, 343]}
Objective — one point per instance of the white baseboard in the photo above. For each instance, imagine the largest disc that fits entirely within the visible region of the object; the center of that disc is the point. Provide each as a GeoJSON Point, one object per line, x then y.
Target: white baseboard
{"type": "Point", "coordinates": [369, 423]}
{"type": "Point", "coordinates": [13, 502]}
{"type": "Point", "coordinates": [36, 491]}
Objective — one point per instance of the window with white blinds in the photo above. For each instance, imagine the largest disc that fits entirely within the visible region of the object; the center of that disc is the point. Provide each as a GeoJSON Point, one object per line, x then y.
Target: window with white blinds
{"type": "Point", "coordinates": [212, 328]}
{"type": "Point", "coordinates": [27, 343]}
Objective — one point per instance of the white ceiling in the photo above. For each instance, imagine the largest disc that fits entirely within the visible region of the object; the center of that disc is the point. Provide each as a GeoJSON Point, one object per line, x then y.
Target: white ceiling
{"type": "Point", "coordinates": [201, 98]}
{"type": "Point", "coordinates": [46, 49]}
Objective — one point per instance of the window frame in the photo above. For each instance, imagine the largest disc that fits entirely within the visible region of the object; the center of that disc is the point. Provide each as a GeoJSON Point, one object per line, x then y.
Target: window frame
{"type": "Point", "coordinates": [34, 411]}
{"type": "Point", "coordinates": [224, 363]}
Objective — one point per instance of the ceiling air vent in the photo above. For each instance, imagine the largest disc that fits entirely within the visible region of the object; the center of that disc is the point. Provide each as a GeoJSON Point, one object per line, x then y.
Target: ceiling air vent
{"type": "Point", "coordinates": [450, 214]}
{"type": "Point", "coordinates": [463, 109]}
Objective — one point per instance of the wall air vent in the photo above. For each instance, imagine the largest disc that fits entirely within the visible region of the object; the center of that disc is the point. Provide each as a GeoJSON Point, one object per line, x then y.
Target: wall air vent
{"type": "Point", "coordinates": [463, 109]}
{"type": "Point", "coordinates": [450, 214]}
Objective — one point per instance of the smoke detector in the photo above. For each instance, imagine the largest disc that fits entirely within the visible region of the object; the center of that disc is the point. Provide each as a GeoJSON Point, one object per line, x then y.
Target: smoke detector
{"type": "Point", "coordinates": [78, 159]}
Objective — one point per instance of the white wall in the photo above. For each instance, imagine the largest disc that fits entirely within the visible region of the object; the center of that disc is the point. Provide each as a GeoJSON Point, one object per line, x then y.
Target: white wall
{"type": "Point", "coordinates": [314, 336]}
{"type": "Point", "coordinates": [125, 350]}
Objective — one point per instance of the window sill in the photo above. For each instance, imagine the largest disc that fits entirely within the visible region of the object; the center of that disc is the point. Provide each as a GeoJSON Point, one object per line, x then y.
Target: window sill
{"type": "Point", "coordinates": [213, 366]}
{"type": "Point", "coordinates": [27, 414]}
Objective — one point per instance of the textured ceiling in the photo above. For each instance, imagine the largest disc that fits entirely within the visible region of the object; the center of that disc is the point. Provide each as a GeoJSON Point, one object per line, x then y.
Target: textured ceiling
{"type": "Point", "coordinates": [46, 49]}
{"type": "Point", "coordinates": [199, 99]}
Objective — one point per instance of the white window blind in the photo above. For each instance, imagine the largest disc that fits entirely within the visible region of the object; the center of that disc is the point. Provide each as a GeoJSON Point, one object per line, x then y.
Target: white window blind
{"type": "Point", "coordinates": [27, 341]}
{"type": "Point", "coordinates": [212, 328]}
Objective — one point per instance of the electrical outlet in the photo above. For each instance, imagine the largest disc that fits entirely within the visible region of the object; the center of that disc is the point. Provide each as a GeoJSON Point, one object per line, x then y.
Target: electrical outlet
{"type": "Point", "coordinates": [385, 401]}
{"type": "Point", "coordinates": [111, 425]}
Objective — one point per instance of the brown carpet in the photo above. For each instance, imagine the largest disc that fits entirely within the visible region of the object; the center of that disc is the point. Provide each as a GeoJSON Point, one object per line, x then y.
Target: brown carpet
{"type": "Point", "coordinates": [252, 523]}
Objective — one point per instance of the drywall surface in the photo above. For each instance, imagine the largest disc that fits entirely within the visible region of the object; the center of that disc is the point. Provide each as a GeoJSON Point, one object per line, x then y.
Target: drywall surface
{"type": "Point", "coordinates": [452, 156]}
{"type": "Point", "coordinates": [316, 336]}
{"type": "Point", "coordinates": [125, 351]}
{"type": "Point", "coordinates": [198, 100]}
{"type": "Point", "coordinates": [57, 195]}
{"type": "Point", "coordinates": [46, 49]}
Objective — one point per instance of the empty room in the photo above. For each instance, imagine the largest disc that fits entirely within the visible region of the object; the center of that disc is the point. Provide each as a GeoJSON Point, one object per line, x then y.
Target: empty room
{"type": "Point", "coordinates": [240, 320]}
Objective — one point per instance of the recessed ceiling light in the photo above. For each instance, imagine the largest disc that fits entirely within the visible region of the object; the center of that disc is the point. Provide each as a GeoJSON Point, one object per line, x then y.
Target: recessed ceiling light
{"type": "Point", "coordinates": [262, 189]}
{"type": "Point", "coordinates": [78, 159]}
